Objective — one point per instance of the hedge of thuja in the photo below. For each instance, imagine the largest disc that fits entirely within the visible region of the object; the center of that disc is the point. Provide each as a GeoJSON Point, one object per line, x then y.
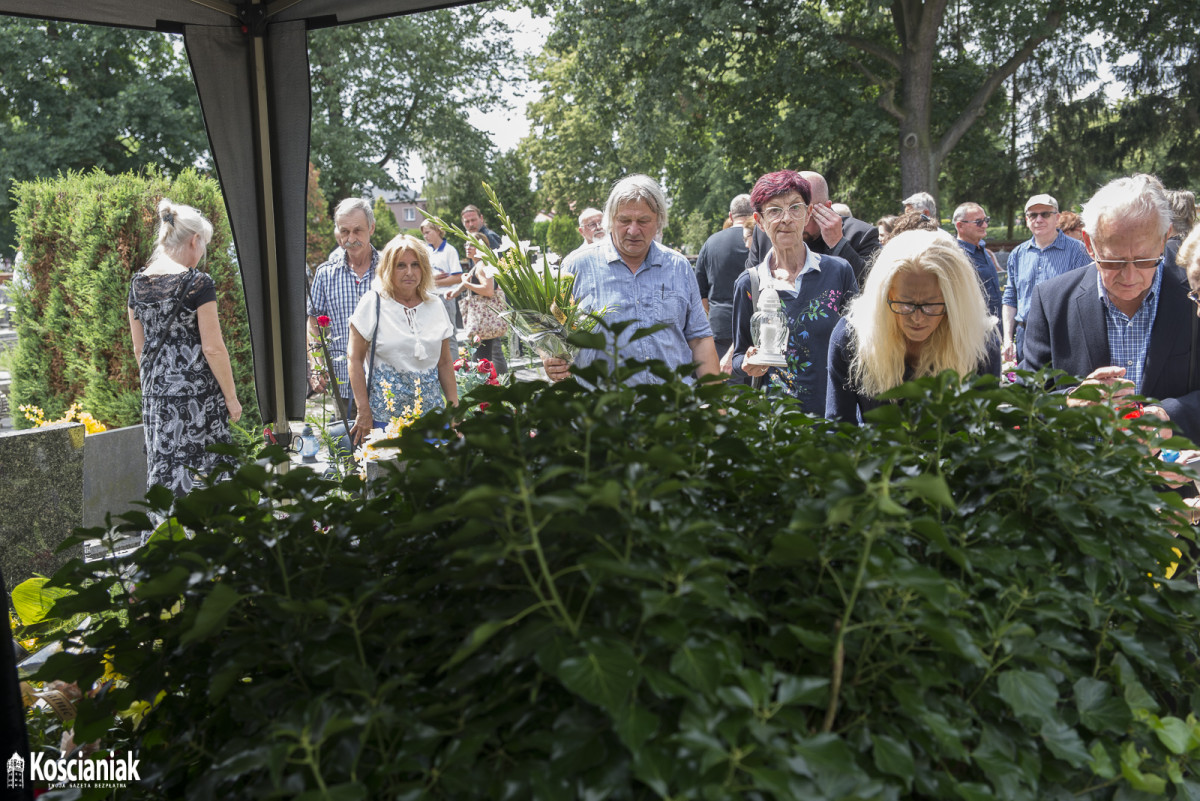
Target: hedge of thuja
{"type": "Point", "coordinates": [83, 237]}
{"type": "Point", "coordinates": [669, 592]}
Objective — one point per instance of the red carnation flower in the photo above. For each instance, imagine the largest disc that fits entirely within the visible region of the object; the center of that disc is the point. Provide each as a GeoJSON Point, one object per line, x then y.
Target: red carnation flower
{"type": "Point", "coordinates": [458, 364]}
{"type": "Point", "coordinates": [323, 321]}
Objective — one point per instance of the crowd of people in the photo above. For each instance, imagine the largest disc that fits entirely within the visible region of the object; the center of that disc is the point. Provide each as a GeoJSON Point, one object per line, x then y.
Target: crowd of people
{"type": "Point", "coordinates": [1103, 294]}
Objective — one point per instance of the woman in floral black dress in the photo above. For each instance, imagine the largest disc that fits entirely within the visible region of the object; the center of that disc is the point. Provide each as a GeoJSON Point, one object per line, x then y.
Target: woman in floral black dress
{"type": "Point", "coordinates": [188, 396]}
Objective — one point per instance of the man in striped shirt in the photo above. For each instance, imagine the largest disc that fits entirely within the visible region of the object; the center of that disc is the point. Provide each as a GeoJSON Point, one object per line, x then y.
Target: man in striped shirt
{"type": "Point", "coordinates": [336, 289]}
{"type": "Point", "coordinates": [1048, 254]}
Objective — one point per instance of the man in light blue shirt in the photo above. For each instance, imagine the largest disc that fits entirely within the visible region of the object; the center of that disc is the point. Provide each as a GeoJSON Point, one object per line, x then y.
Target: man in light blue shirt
{"type": "Point", "coordinates": [1048, 254]}
{"type": "Point", "coordinates": [634, 278]}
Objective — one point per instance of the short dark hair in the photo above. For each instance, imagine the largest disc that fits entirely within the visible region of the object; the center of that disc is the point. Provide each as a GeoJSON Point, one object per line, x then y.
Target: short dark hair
{"type": "Point", "coordinates": [774, 184]}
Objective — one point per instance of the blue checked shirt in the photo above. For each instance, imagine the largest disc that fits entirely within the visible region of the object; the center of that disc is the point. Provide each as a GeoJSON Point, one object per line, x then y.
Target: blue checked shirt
{"type": "Point", "coordinates": [1028, 266]}
{"type": "Point", "coordinates": [663, 290]}
{"type": "Point", "coordinates": [1129, 337]}
{"type": "Point", "coordinates": [335, 293]}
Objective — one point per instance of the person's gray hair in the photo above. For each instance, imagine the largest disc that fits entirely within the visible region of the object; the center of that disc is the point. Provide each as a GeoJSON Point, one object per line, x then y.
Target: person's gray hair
{"type": "Point", "coordinates": [631, 189]}
{"type": "Point", "coordinates": [1183, 211]}
{"type": "Point", "coordinates": [922, 201]}
{"type": "Point", "coordinates": [960, 213]}
{"type": "Point", "coordinates": [588, 212]}
{"type": "Point", "coordinates": [741, 206]}
{"type": "Point", "coordinates": [1135, 197]}
{"type": "Point", "coordinates": [351, 205]}
{"type": "Point", "coordinates": [177, 224]}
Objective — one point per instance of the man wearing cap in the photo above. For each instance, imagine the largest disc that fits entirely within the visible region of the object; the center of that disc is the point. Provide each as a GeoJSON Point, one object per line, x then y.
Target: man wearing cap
{"type": "Point", "coordinates": [1048, 254]}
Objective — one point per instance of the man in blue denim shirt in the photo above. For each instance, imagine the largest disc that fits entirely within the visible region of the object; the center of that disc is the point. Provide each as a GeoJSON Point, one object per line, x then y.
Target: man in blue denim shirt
{"type": "Point", "coordinates": [971, 224]}
{"type": "Point", "coordinates": [634, 278]}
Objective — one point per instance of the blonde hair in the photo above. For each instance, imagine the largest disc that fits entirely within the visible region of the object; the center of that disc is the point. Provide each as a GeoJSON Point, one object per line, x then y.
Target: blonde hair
{"type": "Point", "coordinates": [387, 264]}
{"type": "Point", "coordinates": [177, 225]}
{"type": "Point", "coordinates": [960, 343]}
{"type": "Point", "coordinates": [1189, 252]}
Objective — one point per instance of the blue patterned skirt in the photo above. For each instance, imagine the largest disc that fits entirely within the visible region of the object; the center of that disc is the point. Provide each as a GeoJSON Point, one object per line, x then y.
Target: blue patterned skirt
{"type": "Point", "coordinates": [404, 392]}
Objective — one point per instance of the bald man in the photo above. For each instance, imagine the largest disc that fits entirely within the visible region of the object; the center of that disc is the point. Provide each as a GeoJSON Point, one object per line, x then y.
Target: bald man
{"type": "Point", "coordinates": [847, 238]}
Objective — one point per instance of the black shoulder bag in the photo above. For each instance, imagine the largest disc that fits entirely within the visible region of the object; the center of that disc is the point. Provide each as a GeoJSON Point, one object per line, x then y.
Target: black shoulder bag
{"type": "Point", "coordinates": [147, 358]}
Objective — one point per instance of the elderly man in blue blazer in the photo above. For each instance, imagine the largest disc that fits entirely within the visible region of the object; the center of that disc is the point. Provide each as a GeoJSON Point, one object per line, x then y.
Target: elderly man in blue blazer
{"type": "Point", "coordinates": [1125, 322]}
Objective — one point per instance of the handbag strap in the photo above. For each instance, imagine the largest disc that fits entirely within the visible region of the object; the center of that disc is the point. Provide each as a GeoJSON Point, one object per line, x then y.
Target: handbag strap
{"type": "Point", "coordinates": [147, 358]}
{"type": "Point", "coordinates": [374, 342]}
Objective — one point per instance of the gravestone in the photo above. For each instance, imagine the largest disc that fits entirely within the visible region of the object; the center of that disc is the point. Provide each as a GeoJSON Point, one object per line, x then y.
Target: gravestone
{"type": "Point", "coordinates": [41, 498]}
{"type": "Point", "coordinates": [114, 473]}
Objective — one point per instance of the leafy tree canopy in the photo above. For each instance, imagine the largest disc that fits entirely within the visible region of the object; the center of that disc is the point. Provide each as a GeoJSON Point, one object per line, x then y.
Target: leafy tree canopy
{"type": "Point", "coordinates": [73, 97]}
{"type": "Point", "coordinates": [882, 98]}
{"type": "Point", "coordinates": [386, 89]}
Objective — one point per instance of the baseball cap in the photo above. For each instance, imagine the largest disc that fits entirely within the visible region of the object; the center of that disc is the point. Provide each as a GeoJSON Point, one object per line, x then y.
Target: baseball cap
{"type": "Point", "coordinates": [1041, 200]}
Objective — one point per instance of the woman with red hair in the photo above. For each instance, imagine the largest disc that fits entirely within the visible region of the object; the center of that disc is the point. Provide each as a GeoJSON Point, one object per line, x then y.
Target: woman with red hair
{"type": "Point", "coordinates": [812, 289]}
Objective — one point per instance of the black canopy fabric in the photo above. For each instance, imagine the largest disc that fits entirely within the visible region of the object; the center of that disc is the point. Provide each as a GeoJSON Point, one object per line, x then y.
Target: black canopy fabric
{"type": "Point", "coordinates": [250, 63]}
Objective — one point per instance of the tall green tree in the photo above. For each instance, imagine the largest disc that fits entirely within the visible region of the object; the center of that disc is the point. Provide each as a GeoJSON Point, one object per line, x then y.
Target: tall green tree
{"type": "Point", "coordinates": [509, 174]}
{"type": "Point", "coordinates": [384, 90]}
{"type": "Point", "coordinates": [73, 97]}
{"type": "Point", "coordinates": [386, 227]}
{"type": "Point", "coordinates": [883, 98]}
{"type": "Point", "coordinates": [450, 187]}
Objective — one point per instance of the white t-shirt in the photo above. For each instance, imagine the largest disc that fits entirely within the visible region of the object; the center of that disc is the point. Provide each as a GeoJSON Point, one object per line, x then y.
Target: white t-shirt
{"type": "Point", "coordinates": [444, 262]}
{"type": "Point", "coordinates": [409, 339]}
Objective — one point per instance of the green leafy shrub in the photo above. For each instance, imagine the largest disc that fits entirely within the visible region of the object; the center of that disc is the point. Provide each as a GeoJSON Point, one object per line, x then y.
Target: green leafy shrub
{"type": "Point", "coordinates": [562, 234]}
{"type": "Point", "coordinates": [84, 236]}
{"type": "Point", "coordinates": [540, 231]}
{"type": "Point", "coordinates": [670, 591]}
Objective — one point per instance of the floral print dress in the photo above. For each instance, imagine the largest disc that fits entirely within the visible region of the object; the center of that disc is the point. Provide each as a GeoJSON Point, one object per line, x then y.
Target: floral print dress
{"type": "Point", "coordinates": [183, 409]}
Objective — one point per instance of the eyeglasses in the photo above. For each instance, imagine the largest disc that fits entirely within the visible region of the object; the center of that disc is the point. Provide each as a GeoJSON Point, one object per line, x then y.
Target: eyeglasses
{"type": "Point", "coordinates": [982, 223]}
{"type": "Point", "coordinates": [927, 309]}
{"type": "Point", "coordinates": [1119, 264]}
{"type": "Point", "coordinates": [592, 226]}
{"type": "Point", "coordinates": [1045, 215]}
{"type": "Point", "coordinates": [775, 213]}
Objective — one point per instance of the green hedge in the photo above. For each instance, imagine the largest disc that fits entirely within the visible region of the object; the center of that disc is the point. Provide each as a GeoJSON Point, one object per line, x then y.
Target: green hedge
{"type": "Point", "coordinates": [669, 592]}
{"type": "Point", "coordinates": [83, 238]}
{"type": "Point", "coordinates": [562, 234]}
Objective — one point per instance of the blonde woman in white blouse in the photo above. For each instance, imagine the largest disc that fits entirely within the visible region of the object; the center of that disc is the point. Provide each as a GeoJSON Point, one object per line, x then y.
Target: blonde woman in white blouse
{"type": "Point", "coordinates": [412, 343]}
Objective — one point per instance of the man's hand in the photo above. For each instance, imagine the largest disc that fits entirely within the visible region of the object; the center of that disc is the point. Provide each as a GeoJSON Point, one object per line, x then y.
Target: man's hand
{"type": "Point", "coordinates": [829, 222]}
{"type": "Point", "coordinates": [1008, 353]}
{"type": "Point", "coordinates": [317, 380]}
{"type": "Point", "coordinates": [556, 369]}
{"type": "Point", "coordinates": [1111, 380]}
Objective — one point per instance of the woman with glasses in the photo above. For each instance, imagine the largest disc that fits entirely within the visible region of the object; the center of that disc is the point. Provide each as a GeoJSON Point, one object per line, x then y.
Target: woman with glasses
{"type": "Point", "coordinates": [922, 311]}
{"type": "Point", "coordinates": [812, 289]}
